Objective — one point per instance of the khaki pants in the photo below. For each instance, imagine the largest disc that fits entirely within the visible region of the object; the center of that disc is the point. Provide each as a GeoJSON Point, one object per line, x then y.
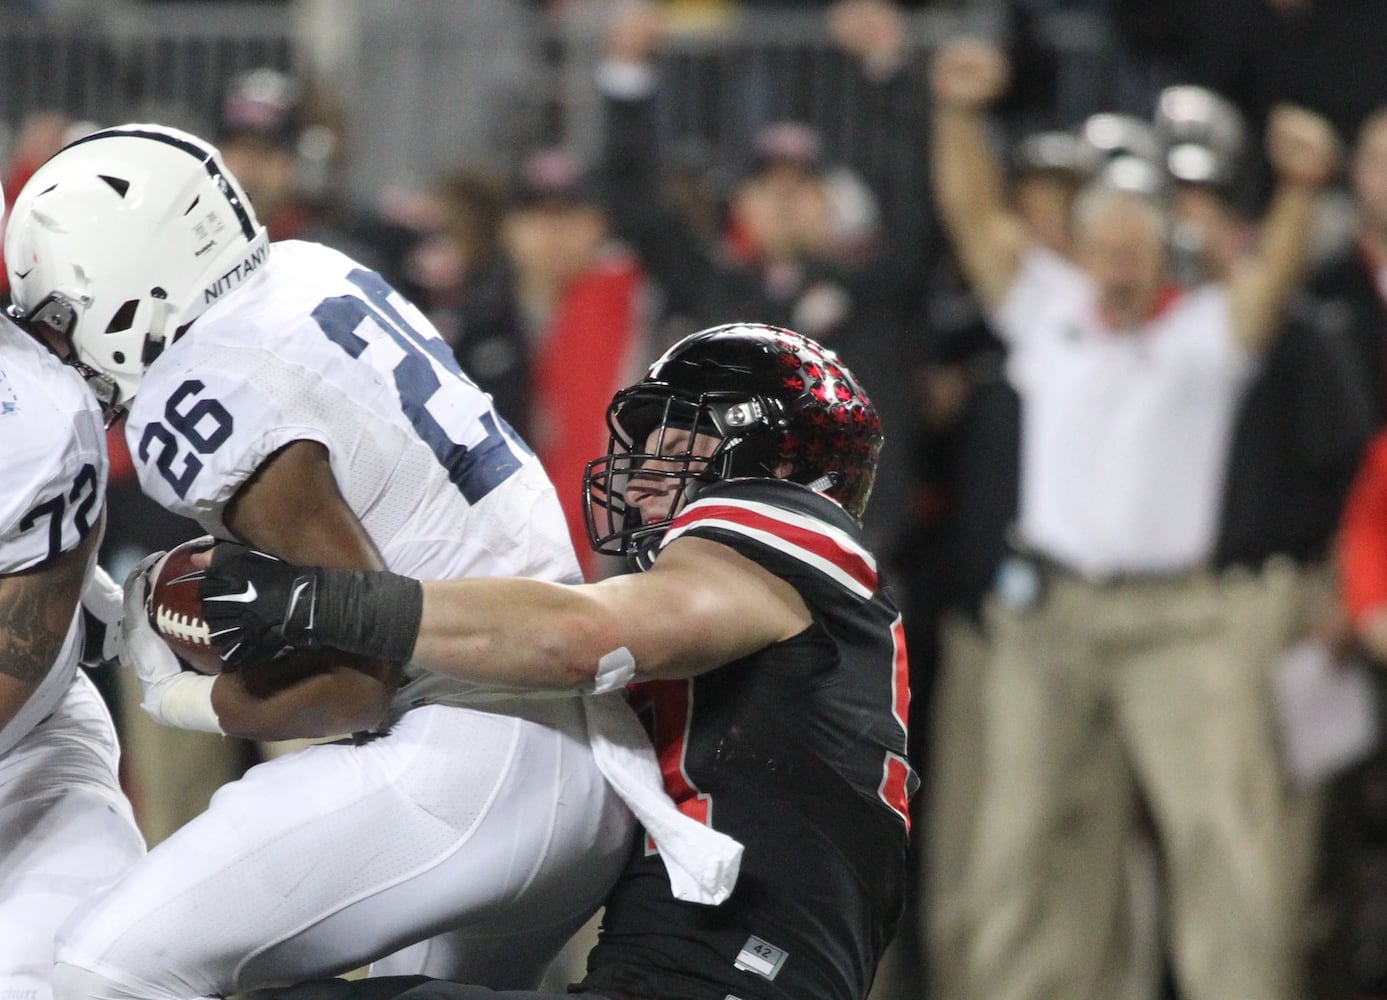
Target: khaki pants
{"type": "Point", "coordinates": [1101, 693]}
{"type": "Point", "coordinates": [949, 814]}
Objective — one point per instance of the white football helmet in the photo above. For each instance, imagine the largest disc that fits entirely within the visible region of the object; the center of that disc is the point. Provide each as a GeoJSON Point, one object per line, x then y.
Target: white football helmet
{"type": "Point", "coordinates": [124, 237]}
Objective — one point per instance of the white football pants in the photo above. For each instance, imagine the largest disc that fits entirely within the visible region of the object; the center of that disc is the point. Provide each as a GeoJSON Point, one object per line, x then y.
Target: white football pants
{"type": "Point", "coordinates": [66, 832]}
{"type": "Point", "coordinates": [471, 825]}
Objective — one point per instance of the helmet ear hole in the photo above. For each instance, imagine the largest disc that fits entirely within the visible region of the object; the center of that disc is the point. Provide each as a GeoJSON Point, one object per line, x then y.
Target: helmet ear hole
{"type": "Point", "coordinates": [124, 317]}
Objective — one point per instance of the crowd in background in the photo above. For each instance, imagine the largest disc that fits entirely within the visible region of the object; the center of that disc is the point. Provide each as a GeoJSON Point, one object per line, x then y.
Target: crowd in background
{"type": "Point", "coordinates": [557, 281]}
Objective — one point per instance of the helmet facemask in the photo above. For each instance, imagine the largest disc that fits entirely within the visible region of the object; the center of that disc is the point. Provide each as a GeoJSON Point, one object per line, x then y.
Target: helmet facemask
{"type": "Point", "coordinates": [658, 448]}
{"type": "Point", "coordinates": [774, 404]}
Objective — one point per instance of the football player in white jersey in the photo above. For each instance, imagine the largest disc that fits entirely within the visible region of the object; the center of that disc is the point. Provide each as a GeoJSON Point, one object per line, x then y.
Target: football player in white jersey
{"type": "Point", "coordinates": [288, 397]}
{"type": "Point", "coordinates": [66, 829]}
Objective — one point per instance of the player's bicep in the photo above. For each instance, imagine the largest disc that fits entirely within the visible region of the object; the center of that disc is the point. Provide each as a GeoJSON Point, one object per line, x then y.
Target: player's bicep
{"type": "Point", "coordinates": [703, 605]}
{"type": "Point", "coordinates": [292, 507]}
{"type": "Point", "coordinates": [36, 609]}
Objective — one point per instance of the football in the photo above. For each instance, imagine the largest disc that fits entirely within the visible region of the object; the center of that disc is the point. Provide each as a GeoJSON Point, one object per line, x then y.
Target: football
{"type": "Point", "coordinates": [174, 609]}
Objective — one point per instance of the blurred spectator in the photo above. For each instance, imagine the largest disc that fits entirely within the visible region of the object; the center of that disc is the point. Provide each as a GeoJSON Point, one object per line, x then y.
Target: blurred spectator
{"type": "Point", "coordinates": [1111, 135]}
{"type": "Point", "coordinates": [1204, 151]}
{"type": "Point", "coordinates": [1348, 303]}
{"type": "Point", "coordinates": [1323, 54]}
{"type": "Point", "coordinates": [459, 276]}
{"type": "Point", "coordinates": [1306, 416]}
{"type": "Point", "coordinates": [39, 136]}
{"type": "Point", "coordinates": [581, 297]}
{"type": "Point", "coordinates": [282, 142]}
{"type": "Point", "coordinates": [1048, 169]}
{"type": "Point", "coordinates": [888, 107]}
{"type": "Point", "coordinates": [1349, 287]}
{"type": "Point", "coordinates": [1363, 552]}
{"type": "Point", "coordinates": [1354, 965]}
{"type": "Point", "coordinates": [1300, 428]}
{"type": "Point", "coordinates": [1114, 671]}
{"type": "Point", "coordinates": [802, 247]}
{"type": "Point", "coordinates": [970, 439]}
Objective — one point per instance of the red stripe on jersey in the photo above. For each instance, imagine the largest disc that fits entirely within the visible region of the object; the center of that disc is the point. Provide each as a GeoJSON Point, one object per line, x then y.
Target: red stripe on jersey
{"type": "Point", "coordinates": [895, 782]}
{"type": "Point", "coordinates": [671, 706]}
{"type": "Point", "coordinates": [820, 543]}
{"type": "Point", "coordinates": [900, 691]}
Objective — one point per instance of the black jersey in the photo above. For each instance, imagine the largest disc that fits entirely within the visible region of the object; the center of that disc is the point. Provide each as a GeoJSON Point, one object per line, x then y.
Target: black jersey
{"type": "Point", "coordinates": [798, 751]}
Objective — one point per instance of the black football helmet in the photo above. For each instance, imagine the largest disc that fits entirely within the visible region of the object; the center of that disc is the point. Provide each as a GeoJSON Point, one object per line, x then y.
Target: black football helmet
{"type": "Point", "coordinates": [780, 405]}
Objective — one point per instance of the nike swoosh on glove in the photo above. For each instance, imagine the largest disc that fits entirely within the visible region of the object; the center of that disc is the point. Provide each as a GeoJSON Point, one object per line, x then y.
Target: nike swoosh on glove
{"type": "Point", "coordinates": [257, 607]}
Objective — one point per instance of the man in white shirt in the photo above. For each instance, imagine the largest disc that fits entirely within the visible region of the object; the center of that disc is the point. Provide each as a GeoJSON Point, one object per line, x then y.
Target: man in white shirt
{"type": "Point", "coordinates": [1113, 672]}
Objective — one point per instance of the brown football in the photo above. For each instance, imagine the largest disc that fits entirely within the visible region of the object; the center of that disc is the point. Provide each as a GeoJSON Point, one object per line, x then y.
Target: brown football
{"type": "Point", "coordinates": [175, 610]}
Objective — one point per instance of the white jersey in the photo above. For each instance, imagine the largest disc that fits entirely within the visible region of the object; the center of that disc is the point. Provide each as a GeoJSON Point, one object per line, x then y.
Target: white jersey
{"type": "Point", "coordinates": [53, 453]}
{"type": "Point", "coordinates": [319, 348]}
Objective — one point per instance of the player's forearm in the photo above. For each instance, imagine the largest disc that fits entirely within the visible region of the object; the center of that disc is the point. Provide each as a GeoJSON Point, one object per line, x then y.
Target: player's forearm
{"type": "Point", "coordinates": [512, 632]}
{"type": "Point", "coordinates": [506, 631]}
{"type": "Point", "coordinates": [302, 699]}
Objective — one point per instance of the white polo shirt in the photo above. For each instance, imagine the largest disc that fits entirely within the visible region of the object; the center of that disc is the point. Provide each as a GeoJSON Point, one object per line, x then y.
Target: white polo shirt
{"type": "Point", "coordinates": [1125, 433]}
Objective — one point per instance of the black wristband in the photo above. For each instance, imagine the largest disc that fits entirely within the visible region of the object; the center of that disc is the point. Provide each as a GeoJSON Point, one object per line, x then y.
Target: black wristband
{"type": "Point", "coordinates": [359, 611]}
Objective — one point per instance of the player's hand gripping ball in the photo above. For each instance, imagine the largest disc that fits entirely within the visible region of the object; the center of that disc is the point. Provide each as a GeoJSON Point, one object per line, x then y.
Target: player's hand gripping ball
{"type": "Point", "coordinates": [174, 610]}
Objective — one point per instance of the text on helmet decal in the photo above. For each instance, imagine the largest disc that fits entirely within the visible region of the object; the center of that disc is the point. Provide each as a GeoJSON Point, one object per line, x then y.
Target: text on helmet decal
{"type": "Point", "coordinates": [237, 274]}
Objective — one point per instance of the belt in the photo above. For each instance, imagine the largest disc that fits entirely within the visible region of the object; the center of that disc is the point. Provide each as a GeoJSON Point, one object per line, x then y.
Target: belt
{"type": "Point", "coordinates": [1024, 572]}
{"type": "Point", "coordinates": [1105, 578]}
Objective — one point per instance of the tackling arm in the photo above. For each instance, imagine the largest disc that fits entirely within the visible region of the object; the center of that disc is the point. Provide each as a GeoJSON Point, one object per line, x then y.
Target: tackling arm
{"type": "Point", "coordinates": [702, 605]}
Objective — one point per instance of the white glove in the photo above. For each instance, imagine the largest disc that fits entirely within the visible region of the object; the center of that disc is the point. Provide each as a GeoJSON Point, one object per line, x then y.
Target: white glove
{"type": "Point", "coordinates": [104, 600]}
{"type": "Point", "coordinates": [172, 695]}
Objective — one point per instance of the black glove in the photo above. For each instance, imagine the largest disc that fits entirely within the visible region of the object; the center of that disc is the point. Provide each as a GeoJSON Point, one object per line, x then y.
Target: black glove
{"type": "Point", "coordinates": [258, 607]}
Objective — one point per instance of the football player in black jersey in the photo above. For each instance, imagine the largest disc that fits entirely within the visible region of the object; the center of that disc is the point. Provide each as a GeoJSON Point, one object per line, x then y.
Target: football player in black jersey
{"type": "Point", "coordinates": [757, 640]}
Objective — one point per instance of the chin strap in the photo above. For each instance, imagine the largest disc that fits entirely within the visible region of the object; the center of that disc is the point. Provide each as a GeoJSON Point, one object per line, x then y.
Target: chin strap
{"type": "Point", "coordinates": [105, 388]}
{"type": "Point", "coordinates": [58, 314]}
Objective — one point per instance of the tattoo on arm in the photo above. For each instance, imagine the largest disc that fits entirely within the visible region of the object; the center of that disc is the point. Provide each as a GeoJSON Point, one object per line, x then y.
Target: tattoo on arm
{"type": "Point", "coordinates": [36, 610]}
{"type": "Point", "coordinates": [30, 634]}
